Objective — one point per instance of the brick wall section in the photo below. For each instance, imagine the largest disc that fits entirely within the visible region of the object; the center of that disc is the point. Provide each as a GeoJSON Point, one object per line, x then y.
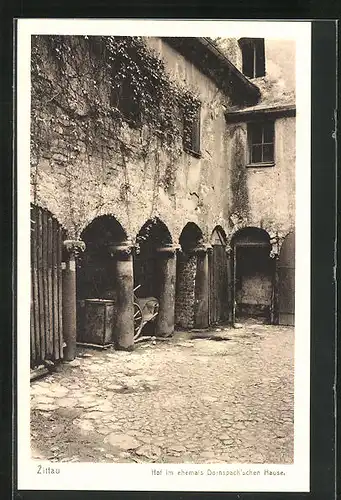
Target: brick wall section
{"type": "Point", "coordinates": [185, 290]}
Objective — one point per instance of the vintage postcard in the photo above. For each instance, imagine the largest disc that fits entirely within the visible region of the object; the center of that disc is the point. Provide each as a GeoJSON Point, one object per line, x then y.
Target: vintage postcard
{"type": "Point", "coordinates": [163, 255]}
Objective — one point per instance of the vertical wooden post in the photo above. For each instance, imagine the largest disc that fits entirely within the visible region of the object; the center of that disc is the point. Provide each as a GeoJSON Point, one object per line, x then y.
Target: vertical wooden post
{"type": "Point", "coordinates": [274, 296]}
{"type": "Point", "coordinates": [234, 277]}
{"type": "Point", "coordinates": [166, 265]}
{"type": "Point", "coordinates": [72, 248]}
{"type": "Point", "coordinates": [201, 288]}
{"type": "Point", "coordinates": [211, 289]}
{"type": "Point", "coordinates": [229, 278]}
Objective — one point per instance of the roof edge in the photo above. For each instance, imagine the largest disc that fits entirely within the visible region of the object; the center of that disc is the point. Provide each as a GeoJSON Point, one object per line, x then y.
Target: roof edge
{"type": "Point", "coordinates": [219, 68]}
{"type": "Point", "coordinates": [218, 53]}
{"type": "Point", "coordinates": [259, 113]}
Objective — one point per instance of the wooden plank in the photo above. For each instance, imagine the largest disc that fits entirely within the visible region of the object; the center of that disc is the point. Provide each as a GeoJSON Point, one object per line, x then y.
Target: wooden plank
{"type": "Point", "coordinates": [50, 286]}
{"type": "Point", "coordinates": [32, 327]}
{"type": "Point", "coordinates": [60, 316]}
{"type": "Point", "coordinates": [45, 284]}
{"type": "Point", "coordinates": [33, 305]}
{"type": "Point", "coordinates": [216, 284]}
{"type": "Point", "coordinates": [233, 291]}
{"type": "Point", "coordinates": [42, 327]}
{"type": "Point", "coordinates": [34, 265]}
{"type": "Point", "coordinates": [56, 349]}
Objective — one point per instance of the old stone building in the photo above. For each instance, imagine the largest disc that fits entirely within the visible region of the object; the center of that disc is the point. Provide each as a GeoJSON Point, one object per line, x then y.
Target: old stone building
{"type": "Point", "coordinates": [169, 164]}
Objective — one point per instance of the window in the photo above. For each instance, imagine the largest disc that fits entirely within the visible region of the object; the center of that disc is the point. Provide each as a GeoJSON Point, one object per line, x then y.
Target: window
{"type": "Point", "coordinates": [253, 56]}
{"type": "Point", "coordinates": [191, 132]}
{"type": "Point", "coordinates": [261, 138]}
{"type": "Point", "coordinates": [124, 99]}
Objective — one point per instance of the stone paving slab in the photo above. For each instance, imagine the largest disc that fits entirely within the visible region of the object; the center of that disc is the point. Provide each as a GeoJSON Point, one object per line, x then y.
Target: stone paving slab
{"type": "Point", "coordinates": [184, 400]}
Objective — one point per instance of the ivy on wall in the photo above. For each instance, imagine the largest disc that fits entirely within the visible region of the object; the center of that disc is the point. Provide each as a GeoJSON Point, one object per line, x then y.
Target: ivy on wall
{"type": "Point", "coordinates": [108, 98]}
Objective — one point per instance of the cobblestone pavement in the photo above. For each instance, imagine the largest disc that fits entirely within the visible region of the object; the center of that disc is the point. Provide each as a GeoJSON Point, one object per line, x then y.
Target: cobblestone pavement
{"type": "Point", "coordinates": [181, 400]}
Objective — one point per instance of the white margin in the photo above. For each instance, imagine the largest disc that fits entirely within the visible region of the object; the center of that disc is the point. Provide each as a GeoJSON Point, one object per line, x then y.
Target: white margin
{"type": "Point", "coordinates": [86, 476]}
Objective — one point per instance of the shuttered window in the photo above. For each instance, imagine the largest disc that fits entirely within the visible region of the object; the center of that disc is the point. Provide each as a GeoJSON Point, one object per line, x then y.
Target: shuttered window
{"type": "Point", "coordinates": [192, 131]}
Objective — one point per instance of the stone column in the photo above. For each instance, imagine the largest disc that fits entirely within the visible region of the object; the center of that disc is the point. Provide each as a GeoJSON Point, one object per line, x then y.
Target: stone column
{"type": "Point", "coordinates": [201, 287]}
{"type": "Point", "coordinates": [166, 265]}
{"type": "Point", "coordinates": [123, 331]}
{"type": "Point", "coordinates": [69, 308]}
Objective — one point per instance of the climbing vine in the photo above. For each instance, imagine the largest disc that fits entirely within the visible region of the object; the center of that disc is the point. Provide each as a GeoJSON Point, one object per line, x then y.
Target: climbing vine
{"type": "Point", "coordinates": [104, 97]}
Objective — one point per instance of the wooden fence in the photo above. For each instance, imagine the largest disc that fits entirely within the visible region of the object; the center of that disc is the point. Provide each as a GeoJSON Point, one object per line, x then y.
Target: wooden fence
{"type": "Point", "coordinates": [46, 327]}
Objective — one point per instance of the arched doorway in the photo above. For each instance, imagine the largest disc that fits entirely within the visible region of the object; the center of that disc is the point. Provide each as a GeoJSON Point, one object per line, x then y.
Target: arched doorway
{"type": "Point", "coordinates": [95, 273]}
{"type": "Point", "coordinates": [253, 275]}
{"type": "Point", "coordinates": [219, 295]}
{"type": "Point", "coordinates": [154, 274]}
{"type": "Point", "coordinates": [286, 281]}
{"type": "Point", "coordinates": [190, 303]}
{"type": "Point", "coordinates": [105, 285]}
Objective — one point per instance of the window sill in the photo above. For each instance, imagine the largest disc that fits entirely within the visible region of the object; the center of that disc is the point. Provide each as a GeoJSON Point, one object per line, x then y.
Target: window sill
{"type": "Point", "coordinates": [261, 165]}
{"type": "Point", "coordinates": [196, 154]}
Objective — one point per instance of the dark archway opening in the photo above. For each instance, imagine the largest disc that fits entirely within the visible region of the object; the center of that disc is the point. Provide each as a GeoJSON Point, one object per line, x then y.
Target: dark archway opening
{"type": "Point", "coordinates": [95, 278]}
{"type": "Point", "coordinates": [186, 276]}
{"type": "Point", "coordinates": [98, 285]}
{"type": "Point", "coordinates": [148, 274]}
{"type": "Point", "coordinates": [253, 275]}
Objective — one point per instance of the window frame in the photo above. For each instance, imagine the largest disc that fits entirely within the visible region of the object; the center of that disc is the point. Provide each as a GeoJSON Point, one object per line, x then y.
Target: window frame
{"type": "Point", "coordinates": [260, 123]}
{"type": "Point", "coordinates": [191, 139]}
{"type": "Point", "coordinates": [256, 60]}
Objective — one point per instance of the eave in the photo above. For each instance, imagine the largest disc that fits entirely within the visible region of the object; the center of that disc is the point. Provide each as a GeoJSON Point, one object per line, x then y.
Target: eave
{"type": "Point", "coordinates": [260, 112]}
{"type": "Point", "coordinates": [214, 64]}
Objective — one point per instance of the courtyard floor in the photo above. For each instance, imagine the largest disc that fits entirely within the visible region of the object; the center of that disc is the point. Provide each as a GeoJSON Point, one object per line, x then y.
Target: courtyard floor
{"type": "Point", "coordinates": [228, 398]}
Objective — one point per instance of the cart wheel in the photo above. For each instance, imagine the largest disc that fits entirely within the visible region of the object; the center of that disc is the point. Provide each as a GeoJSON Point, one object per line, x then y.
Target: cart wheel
{"type": "Point", "coordinates": [137, 321]}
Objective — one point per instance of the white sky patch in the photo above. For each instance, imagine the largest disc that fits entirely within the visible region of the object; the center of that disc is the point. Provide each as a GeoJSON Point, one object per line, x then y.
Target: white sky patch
{"type": "Point", "coordinates": [235, 477]}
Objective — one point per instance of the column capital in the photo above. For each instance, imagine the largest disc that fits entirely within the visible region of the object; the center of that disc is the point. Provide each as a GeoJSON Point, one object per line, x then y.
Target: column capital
{"type": "Point", "coordinates": [168, 250]}
{"type": "Point", "coordinates": [274, 251]}
{"type": "Point", "coordinates": [202, 250]}
{"type": "Point", "coordinates": [228, 250]}
{"type": "Point", "coordinates": [74, 247]}
{"type": "Point", "coordinates": [120, 251]}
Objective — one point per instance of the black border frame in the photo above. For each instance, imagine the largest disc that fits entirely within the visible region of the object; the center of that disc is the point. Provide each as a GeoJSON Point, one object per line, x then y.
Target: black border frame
{"type": "Point", "coordinates": [323, 212]}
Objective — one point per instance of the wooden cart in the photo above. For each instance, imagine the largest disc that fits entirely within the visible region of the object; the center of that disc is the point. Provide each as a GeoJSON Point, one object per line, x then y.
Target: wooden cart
{"type": "Point", "coordinates": [145, 311]}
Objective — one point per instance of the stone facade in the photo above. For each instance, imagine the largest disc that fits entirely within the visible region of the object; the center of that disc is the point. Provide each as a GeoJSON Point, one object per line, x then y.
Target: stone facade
{"type": "Point", "coordinates": [79, 177]}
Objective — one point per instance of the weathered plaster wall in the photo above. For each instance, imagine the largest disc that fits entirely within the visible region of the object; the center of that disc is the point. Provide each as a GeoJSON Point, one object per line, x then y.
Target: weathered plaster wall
{"type": "Point", "coordinates": [278, 84]}
{"type": "Point", "coordinates": [263, 197]}
{"type": "Point", "coordinates": [230, 47]}
{"type": "Point", "coordinates": [133, 191]}
{"type": "Point", "coordinates": [255, 290]}
{"type": "Point", "coordinates": [280, 57]}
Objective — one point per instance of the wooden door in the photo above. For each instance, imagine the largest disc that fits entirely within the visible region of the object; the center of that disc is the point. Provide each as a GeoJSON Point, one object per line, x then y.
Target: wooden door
{"type": "Point", "coordinates": [286, 281]}
{"type": "Point", "coordinates": [219, 283]}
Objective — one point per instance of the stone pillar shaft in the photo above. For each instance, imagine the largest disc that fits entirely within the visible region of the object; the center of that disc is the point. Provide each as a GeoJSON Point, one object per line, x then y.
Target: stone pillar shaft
{"type": "Point", "coordinates": [166, 265]}
{"type": "Point", "coordinates": [123, 331]}
{"type": "Point", "coordinates": [201, 319]}
{"type": "Point", "coordinates": [69, 310]}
